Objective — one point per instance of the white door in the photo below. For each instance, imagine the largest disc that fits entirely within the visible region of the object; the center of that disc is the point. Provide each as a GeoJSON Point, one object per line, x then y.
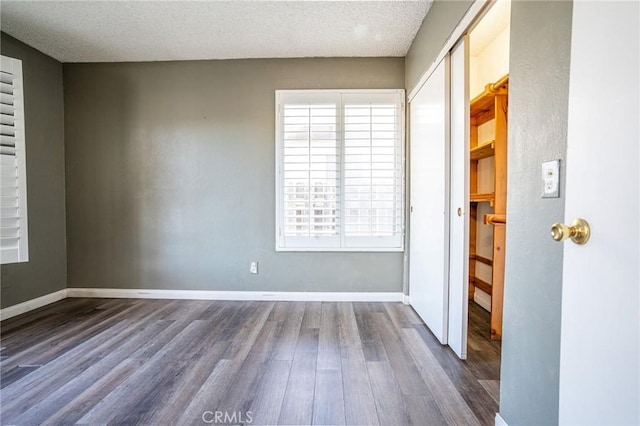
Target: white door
{"type": "Point", "coordinates": [429, 222]}
{"type": "Point", "coordinates": [459, 219]}
{"type": "Point", "coordinates": [600, 344]}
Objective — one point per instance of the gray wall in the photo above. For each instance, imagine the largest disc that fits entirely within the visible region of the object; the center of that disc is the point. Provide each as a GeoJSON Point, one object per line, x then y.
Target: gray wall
{"type": "Point", "coordinates": [442, 18]}
{"type": "Point", "coordinates": [46, 271]}
{"type": "Point", "coordinates": [538, 104]}
{"type": "Point", "coordinates": [171, 177]}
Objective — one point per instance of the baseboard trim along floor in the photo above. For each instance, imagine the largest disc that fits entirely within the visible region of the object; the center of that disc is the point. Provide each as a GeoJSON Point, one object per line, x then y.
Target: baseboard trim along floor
{"type": "Point", "coordinates": [500, 421]}
{"type": "Point", "coordinates": [285, 296]}
{"type": "Point", "coordinates": [32, 304]}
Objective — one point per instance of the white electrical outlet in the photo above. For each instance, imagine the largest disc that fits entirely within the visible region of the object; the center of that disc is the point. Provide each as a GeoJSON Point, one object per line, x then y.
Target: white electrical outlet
{"type": "Point", "coordinates": [551, 179]}
{"type": "Point", "coordinates": [253, 267]}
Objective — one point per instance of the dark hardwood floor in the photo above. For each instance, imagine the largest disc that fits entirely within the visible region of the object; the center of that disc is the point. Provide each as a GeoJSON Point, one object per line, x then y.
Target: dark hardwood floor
{"type": "Point", "coordinates": [166, 362]}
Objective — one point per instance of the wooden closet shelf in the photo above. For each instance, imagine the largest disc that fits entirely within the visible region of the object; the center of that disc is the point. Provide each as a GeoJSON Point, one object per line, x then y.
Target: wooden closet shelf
{"type": "Point", "coordinates": [483, 151]}
{"type": "Point", "coordinates": [482, 198]}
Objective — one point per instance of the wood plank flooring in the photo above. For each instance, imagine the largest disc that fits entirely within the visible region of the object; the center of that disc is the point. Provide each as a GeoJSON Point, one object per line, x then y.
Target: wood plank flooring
{"type": "Point", "coordinates": [168, 362]}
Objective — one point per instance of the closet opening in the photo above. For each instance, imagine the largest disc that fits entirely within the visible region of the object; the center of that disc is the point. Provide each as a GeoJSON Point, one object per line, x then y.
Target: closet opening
{"type": "Point", "coordinates": [488, 83]}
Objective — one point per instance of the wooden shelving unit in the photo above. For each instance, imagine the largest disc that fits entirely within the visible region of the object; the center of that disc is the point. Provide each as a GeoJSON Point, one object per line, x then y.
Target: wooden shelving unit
{"type": "Point", "coordinates": [489, 105]}
{"type": "Point", "coordinates": [483, 198]}
{"type": "Point", "coordinates": [483, 151]}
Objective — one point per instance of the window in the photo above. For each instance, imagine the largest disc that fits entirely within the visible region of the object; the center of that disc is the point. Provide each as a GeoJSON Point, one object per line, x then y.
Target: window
{"type": "Point", "coordinates": [340, 170]}
{"type": "Point", "coordinates": [13, 180]}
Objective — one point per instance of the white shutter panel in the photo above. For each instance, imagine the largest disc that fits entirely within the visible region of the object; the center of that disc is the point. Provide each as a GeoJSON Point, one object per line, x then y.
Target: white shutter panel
{"type": "Point", "coordinates": [373, 171]}
{"type": "Point", "coordinates": [310, 171]}
{"type": "Point", "coordinates": [13, 195]}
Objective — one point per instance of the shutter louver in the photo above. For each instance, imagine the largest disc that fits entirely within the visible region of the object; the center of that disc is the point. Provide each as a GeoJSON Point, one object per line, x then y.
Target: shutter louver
{"type": "Point", "coordinates": [13, 232]}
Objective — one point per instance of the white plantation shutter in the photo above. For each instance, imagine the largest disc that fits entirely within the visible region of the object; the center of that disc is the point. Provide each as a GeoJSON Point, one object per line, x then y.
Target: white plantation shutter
{"type": "Point", "coordinates": [310, 171]}
{"type": "Point", "coordinates": [340, 170]}
{"type": "Point", "coordinates": [373, 172]}
{"type": "Point", "coordinates": [13, 195]}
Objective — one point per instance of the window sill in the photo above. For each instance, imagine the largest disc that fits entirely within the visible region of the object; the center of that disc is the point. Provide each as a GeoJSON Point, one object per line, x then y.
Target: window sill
{"type": "Point", "coordinates": [340, 250]}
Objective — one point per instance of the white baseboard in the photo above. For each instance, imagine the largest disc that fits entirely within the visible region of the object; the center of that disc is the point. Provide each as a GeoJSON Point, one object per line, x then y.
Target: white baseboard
{"type": "Point", "coordinates": [405, 299]}
{"type": "Point", "coordinates": [293, 296]}
{"type": "Point", "coordinates": [500, 421]}
{"type": "Point", "coordinates": [32, 304]}
{"type": "Point", "coordinates": [235, 295]}
{"type": "Point", "coordinates": [482, 299]}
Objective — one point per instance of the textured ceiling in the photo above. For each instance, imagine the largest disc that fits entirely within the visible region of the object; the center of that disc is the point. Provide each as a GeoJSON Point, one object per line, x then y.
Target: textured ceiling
{"type": "Point", "coordinates": [118, 31]}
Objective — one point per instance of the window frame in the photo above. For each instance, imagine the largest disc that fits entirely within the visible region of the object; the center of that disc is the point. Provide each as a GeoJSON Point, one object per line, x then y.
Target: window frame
{"type": "Point", "coordinates": [339, 243]}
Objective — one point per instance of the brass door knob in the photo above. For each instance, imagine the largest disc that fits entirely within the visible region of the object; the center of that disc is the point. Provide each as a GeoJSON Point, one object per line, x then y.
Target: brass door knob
{"type": "Point", "coordinates": [579, 231]}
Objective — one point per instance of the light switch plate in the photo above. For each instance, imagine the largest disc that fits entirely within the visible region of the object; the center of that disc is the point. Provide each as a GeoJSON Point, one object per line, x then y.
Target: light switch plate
{"type": "Point", "coordinates": [551, 179]}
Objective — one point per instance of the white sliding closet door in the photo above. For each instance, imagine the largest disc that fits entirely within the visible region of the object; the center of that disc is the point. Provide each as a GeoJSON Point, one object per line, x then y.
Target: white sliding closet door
{"type": "Point", "coordinates": [459, 224]}
{"type": "Point", "coordinates": [429, 219]}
